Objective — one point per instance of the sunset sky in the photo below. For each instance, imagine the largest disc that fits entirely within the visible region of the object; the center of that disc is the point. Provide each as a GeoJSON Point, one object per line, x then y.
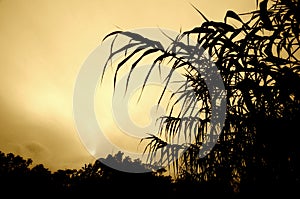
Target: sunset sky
{"type": "Point", "coordinates": [43, 46]}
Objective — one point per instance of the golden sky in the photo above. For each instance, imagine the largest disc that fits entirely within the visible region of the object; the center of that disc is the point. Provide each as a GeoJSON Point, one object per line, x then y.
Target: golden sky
{"type": "Point", "coordinates": [43, 45]}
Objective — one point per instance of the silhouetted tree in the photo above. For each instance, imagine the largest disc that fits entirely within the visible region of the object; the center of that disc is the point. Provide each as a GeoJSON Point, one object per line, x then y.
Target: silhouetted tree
{"type": "Point", "coordinates": [258, 60]}
{"type": "Point", "coordinates": [93, 179]}
{"type": "Point", "coordinates": [100, 178]}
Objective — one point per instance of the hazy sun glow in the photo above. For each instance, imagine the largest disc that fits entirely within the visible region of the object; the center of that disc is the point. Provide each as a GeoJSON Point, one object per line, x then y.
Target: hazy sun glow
{"type": "Point", "coordinates": [43, 45]}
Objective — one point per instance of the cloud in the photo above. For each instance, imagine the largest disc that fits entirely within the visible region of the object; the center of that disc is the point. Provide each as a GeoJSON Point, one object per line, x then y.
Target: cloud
{"type": "Point", "coordinates": [46, 140]}
{"type": "Point", "coordinates": [37, 150]}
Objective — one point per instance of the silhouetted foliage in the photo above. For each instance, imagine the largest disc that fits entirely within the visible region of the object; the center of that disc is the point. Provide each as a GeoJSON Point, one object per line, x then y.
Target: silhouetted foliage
{"type": "Point", "coordinates": [18, 179]}
{"type": "Point", "coordinates": [259, 62]}
{"type": "Point", "coordinates": [258, 151]}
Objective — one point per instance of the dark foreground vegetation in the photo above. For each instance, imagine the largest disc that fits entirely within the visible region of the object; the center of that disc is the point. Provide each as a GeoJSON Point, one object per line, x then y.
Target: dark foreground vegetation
{"type": "Point", "coordinates": [258, 58]}
{"type": "Point", "coordinates": [19, 178]}
{"type": "Point", "coordinates": [258, 152]}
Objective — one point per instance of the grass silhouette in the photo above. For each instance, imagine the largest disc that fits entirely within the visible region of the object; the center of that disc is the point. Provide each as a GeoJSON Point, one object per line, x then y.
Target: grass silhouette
{"type": "Point", "coordinates": [258, 60]}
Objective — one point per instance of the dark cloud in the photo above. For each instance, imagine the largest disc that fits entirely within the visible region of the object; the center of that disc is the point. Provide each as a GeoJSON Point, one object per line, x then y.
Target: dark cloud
{"type": "Point", "coordinates": [46, 141]}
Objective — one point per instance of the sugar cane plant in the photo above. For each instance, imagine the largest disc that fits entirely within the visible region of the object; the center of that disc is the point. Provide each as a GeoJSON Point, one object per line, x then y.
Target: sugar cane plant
{"type": "Point", "coordinates": [258, 57]}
